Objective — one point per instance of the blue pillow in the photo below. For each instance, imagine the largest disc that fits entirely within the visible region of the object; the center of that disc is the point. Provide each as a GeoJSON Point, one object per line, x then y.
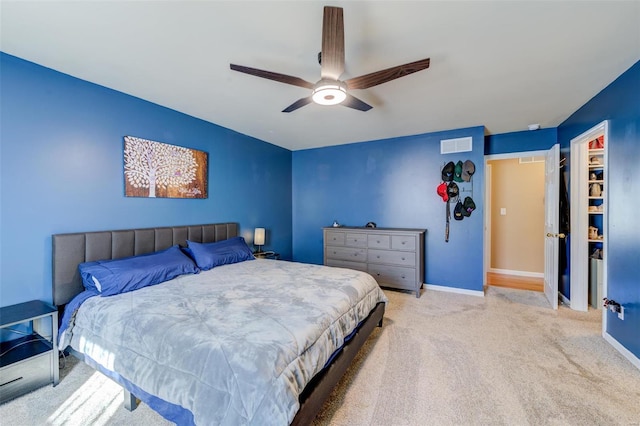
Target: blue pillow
{"type": "Point", "coordinates": [109, 277]}
{"type": "Point", "coordinates": [210, 255]}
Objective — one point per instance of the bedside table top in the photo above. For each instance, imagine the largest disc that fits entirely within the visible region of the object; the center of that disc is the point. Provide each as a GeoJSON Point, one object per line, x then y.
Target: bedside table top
{"type": "Point", "coordinates": [23, 311]}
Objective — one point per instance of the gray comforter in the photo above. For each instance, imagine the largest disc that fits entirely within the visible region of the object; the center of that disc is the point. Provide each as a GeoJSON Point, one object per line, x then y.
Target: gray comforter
{"type": "Point", "coordinates": [234, 345]}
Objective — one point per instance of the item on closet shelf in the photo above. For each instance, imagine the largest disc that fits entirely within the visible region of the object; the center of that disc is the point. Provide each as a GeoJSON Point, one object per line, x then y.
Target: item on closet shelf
{"type": "Point", "coordinates": [595, 161]}
{"type": "Point", "coordinates": [468, 169]}
{"type": "Point", "coordinates": [457, 172]}
{"type": "Point", "coordinates": [593, 176]}
{"type": "Point", "coordinates": [442, 191]}
{"type": "Point", "coordinates": [593, 233]}
{"type": "Point", "coordinates": [597, 254]}
{"type": "Point", "coordinates": [595, 190]}
{"type": "Point", "coordinates": [600, 208]}
{"type": "Point", "coordinates": [593, 208]}
{"type": "Point", "coordinates": [597, 143]}
{"type": "Point", "coordinates": [447, 171]}
{"type": "Point", "coordinates": [336, 224]}
{"type": "Point", "coordinates": [371, 225]}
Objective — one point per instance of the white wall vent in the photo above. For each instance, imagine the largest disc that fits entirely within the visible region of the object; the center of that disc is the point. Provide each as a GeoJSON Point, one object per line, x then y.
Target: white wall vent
{"type": "Point", "coordinates": [451, 146]}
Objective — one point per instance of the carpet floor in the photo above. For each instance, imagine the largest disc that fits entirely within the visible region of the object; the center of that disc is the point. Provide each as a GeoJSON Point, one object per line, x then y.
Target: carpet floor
{"type": "Point", "coordinates": [442, 359]}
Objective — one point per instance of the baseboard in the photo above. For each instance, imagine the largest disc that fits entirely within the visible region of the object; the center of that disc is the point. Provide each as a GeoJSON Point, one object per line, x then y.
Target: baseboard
{"type": "Point", "coordinates": [624, 351]}
{"type": "Point", "coordinates": [517, 273]}
{"type": "Point", "coordinates": [454, 290]}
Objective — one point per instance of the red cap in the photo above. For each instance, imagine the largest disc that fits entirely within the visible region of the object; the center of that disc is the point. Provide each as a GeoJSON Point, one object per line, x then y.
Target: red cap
{"type": "Point", "coordinates": [442, 191]}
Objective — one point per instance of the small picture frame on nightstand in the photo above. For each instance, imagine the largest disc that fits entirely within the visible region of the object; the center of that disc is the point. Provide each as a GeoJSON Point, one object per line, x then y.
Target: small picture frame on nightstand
{"type": "Point", "coordinates": [266, 255]}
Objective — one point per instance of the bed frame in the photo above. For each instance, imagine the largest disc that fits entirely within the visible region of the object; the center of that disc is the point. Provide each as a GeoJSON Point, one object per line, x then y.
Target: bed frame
{"type": "Point", "coordinates": [69, 250]}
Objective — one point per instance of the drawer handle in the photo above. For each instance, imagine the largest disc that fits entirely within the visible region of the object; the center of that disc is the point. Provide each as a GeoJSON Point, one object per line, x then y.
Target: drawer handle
{"type": "Point", "coordinates": [403, 243]}
{"type": "Point", "coordinates": [355, 254]}
{"type": "Point", "coordinates": [403, 277]}
{"type": "Point", "coordinates": [356, 240]}
{"type": "Point", "coordinates": [378, 241]}
{"type": "Point", "coordinates": [334, 252]}
{"type": "Point", "coordinates": [378, 274]}
{"type": "Point", "coordinates": [403, 258]}
{"type": "Point", "coordinates": [378, 257]}
{"type": "Point", "coordinates": [11, 381]}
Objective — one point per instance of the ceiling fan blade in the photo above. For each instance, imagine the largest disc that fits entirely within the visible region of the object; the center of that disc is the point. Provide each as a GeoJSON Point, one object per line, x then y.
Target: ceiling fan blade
{"type": "Point", "coordinates": [379, 77]}
{"type": "Point", "coordinates": [282, 78]}
{"type": "Point", "coordinates": [355, 103]}
{"type": "Point", "coordinates": [332, 57]}
{"type": "Point", "coordinates": [298, 104]}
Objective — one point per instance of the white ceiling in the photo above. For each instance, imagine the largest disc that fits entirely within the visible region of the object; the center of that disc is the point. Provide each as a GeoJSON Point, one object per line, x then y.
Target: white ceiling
{"type": "Point", "coordinates": [501, 64]}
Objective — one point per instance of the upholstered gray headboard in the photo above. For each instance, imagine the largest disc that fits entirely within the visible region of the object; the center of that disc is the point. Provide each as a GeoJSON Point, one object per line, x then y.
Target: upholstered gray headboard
{"type": "Point", "coordinates": [69, 250]}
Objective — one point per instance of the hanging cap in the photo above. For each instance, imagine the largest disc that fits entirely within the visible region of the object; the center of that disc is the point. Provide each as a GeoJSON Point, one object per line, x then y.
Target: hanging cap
{"type": "Point", "coordinates": [442, 191]}
{"type": "Point", "coordinates": [458, 212]}
{"type": "Point", "coordinates": [468, 206]}
{"type": "Point", "coordinates": [457, 172]}
{"type": "Point", "coordinates": [453, 190]}
{"type": "Point", "coordinates": [447, 171]}
{"type": "Point", "coordinates": [468, 169]}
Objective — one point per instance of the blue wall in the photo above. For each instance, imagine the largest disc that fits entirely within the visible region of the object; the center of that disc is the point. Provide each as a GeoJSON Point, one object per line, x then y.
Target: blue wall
{"type": "Point", "coordinates": [391, 182]}
{"type": "Point", "coordinates": [620, 104]}
{"type": "Point", "coordinates": [536, 140]}
{"type": "Point", "coordinates": [62, 171]}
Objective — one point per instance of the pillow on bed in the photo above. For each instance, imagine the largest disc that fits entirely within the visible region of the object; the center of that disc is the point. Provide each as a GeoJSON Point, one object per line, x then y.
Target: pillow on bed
{"type": "Point", "coordinates": [210, 255]}
{"type": "Point", "coordinates": [109, 277]}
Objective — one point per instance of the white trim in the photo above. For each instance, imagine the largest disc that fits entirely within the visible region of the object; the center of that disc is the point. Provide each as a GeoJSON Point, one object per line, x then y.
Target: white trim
{"type": "Point", "coordinates": [454, 290]}
{"type": "Point", "coordinates": [510, 155]}
{"type": "Point", "coordinates": [620, 348]}
{"type": "Point", "coordinates": [518, 273]}
{"type": "Point", "coordinates": [486, 213]}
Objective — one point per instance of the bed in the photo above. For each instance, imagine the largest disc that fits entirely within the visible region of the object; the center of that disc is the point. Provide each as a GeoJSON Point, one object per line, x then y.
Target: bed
{"type": "Point", "coordinates": [246, 342]}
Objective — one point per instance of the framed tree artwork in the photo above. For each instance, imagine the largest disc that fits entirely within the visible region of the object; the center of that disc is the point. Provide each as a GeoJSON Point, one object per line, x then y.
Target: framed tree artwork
{"type": "Point", "coordinates": [156, 169]}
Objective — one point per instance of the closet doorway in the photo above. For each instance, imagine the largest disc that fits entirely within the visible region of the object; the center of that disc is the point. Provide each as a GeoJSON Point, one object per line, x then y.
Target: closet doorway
{"type": "Point", "coordinates": [589, 162]}
{"type": "Point", "coordinates": [514, 252]}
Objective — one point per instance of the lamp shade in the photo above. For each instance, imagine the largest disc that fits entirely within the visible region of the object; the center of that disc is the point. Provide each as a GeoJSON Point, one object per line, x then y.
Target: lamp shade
{"type": "Point", "coordinates": [329, 92]}
{"type": "Point", "coordinates": [258, 237]}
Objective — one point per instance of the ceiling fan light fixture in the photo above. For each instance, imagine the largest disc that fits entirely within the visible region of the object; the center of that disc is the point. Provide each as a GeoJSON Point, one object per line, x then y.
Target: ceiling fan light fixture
{"type": "Point", "coordinates": [329, 93]}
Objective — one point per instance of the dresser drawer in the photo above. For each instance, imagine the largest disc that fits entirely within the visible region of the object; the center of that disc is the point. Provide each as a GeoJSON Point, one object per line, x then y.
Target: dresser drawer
{"type": "Point", "coordinates": [392, 257]}
{"type": "Point", "coordinates": [356, 240]}
{"type": "Point", "coordinates": [358, 266]}
{"type": "Point", "coordinates": [334, 238]}
{"type": "Point", "coordinates": [394, 276]}
{"type": "Point", "coordinates": [346, 253]}
{"type": "Point", "coordinates": [403, 242]}
{"type": "Point", "coordinates": [377, 241]}
{"type": "Point", "coordinates": [24, 376]}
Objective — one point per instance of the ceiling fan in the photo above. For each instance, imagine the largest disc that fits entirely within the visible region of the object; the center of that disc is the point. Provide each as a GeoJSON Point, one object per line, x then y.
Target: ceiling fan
{"type": "Point", "coordinates": [329, 90]}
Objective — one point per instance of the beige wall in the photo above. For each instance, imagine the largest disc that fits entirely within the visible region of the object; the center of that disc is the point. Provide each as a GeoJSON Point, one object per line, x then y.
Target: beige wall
{"type": "Point", "coordinates": [517, 238]}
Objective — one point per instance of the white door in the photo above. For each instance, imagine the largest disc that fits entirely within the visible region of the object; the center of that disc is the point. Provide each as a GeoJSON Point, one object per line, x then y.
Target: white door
{"type": "Point", "coordinates": [551, 224]}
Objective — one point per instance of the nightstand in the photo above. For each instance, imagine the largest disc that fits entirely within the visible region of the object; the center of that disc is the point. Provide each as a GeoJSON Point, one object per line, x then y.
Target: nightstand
{"type": "Point", "coordinates": [30, 361]}
{"type": "Point", "coordinates": [267, 255]}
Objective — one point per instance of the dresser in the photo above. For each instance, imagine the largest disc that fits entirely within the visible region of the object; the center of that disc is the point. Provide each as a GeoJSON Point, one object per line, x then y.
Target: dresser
{"type": "Point", "coordinates": [393, 256]}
